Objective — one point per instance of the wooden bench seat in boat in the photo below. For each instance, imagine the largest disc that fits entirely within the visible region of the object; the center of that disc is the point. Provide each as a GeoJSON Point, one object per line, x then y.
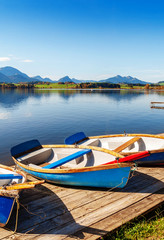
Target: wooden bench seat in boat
{"type": "Point", "coordinates": [67, 158]}
{"type": "Point", "coordinates": [36, 157]}
{"type": "Point", "coordinates": [61, 161]}
{"type": "Point", "coordinates": [115, 145]}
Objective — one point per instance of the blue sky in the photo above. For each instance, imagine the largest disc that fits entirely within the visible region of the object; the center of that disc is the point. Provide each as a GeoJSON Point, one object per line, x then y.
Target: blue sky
{"type": "Point", "coordinates": [85, 39]}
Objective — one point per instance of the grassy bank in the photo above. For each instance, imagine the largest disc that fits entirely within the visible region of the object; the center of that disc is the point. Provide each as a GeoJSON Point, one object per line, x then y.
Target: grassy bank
{"type": "Point", "coordinates": [55, 85]}
{"type": "Point", "coordinates": [80, 86]}
{"type": "Point", "coordinates": [149, 226]}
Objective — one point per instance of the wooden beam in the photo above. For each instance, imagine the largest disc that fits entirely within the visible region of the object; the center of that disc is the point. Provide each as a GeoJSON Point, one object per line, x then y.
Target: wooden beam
{"type": "Point", "coordinates": [127, 144]}
{"type": "Point", "coordinates": [157, 102]}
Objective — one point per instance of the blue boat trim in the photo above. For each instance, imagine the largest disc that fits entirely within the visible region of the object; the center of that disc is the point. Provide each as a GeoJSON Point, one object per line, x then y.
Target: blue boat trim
{"type": "Point", "coordinates": [10, 176]}
{"type": "Point", "coordinates": [68, 159]}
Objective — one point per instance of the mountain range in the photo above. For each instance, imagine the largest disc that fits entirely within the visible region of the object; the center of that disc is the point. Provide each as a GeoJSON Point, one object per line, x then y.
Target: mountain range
{"type": "Point", "coordinates": [12, 75]}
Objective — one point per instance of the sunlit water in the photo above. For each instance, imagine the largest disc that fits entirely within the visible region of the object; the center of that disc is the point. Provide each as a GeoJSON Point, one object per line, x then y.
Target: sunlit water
{"type": "Point", "coordinates": [52, 115]}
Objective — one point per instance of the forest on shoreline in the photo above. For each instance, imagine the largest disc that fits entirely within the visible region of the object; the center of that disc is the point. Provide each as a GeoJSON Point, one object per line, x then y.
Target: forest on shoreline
{"type": "Point", "coordinates": [86, 85]}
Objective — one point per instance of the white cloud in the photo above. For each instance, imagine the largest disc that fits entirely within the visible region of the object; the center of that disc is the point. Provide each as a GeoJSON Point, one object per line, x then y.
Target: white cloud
{"type": "Point", "coordinates": [27, 61]}
{"type": "Point", "coordinates": [4, 59]}
{"type": "Point", "coordinates": [4, 115]}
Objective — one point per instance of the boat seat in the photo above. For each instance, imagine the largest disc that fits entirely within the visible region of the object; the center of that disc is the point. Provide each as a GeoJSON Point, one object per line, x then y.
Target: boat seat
{"type": "Point", "coordinates": [36, 157]}
{"type": "Point", "coordinates": [68, 158]}
{"type": "Point", "coordinates": [91, 142]}
{"type": "Point", "coordinates": [74, 161]}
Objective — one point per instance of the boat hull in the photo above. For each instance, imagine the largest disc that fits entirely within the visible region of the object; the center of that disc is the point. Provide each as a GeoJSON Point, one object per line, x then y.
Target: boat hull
{"type": "Point", "coordinates": [154, 159]}
{"type": "Point", "coordinates": [7, 196]}
{"type": "Point", "coordinates": [109, 178]}
{"type": "Point", "coordinates": [6, 207]}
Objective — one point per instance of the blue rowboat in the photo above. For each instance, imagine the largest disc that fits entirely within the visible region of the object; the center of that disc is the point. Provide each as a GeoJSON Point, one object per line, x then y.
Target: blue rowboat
{"type": "Point", "coordinates": [72, 165]}
{"type": "Point", "coordinates": [8, 176]}
{"type": "Point", "coordinates": [126, 144]}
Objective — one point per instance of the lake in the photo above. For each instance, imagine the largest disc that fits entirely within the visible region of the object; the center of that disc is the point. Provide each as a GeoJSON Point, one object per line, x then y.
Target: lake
{"type": "Point", "coordinates": [52, 115]}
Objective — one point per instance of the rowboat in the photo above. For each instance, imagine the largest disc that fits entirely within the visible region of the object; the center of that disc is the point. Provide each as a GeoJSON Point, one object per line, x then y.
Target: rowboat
{"type": "Point", "coordinates": [11, 183]}
{"type": "Point", "coordinates": [73, 165]}
{"type": "Point", "coordinates": [8, 177]}
{"type": "Point", "coordinates": [126, 144]}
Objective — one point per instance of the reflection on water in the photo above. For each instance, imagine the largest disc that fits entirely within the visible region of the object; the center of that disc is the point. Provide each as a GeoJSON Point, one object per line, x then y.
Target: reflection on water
{"type": "Point", "coordinates": [52, 115]}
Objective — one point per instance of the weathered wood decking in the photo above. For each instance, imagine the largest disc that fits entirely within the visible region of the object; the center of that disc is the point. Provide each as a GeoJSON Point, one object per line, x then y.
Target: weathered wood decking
{"type": "Point", "coordinates": [66, 213]}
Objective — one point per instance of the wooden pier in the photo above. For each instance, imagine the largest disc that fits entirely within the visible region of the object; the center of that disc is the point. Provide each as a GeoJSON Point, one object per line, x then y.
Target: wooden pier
{"type": "Point", "coordinates": [56, 212]}
{"type": "Point", "coordinates": [157, 107]}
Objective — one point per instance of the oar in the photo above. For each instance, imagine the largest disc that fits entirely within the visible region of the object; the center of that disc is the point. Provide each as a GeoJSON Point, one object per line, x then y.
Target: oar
{"type": "Point", "coordinates": [130, 158]}
{"type": "Point", "coordinates": [23, 185]}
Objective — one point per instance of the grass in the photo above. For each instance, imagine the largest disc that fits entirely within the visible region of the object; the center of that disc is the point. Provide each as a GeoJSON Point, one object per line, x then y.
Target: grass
{"type": "Point", "coordinates": [55, 85]}
{"type": "Point", "coordinates": [150, 226]}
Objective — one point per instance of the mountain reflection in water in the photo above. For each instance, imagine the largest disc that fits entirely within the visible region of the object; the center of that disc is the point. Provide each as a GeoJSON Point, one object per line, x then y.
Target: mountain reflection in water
{"type": "Point", "coordinates": [52, 115]}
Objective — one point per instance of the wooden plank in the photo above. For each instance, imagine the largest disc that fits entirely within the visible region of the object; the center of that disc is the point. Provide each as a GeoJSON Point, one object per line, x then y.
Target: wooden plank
{"type": "Point", "coordinates": [95, 215]}
{"type": "Point", "coordinates": [46, 223]}
{"type": "Point", "coordinates": [127, 144]}
{"type": "Point", "coordinates": [84, 208]}
{"type": "Point", "coordinates": [114, 221]}
{"type": "Point", "coordinates": [155, 107]}
{"type": "Point", "coordinates": [5, 233]}
{"type": "Point", "coordinates": [157, 102]}
{"type": "Point", "coordinates": [91, 218]}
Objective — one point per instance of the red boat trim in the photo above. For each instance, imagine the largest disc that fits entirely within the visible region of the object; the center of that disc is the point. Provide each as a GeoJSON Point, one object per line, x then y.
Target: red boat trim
{"type": "Point", "coordinates": [130, 158]}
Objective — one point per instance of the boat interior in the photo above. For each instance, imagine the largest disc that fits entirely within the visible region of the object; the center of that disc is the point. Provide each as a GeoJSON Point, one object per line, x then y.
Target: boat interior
{"type": "Point", "coordinates": [139, 144]}
{"type": "Point", "coordinates": [8, 177]}
{"type": "Point", "coordinates": [75, 157]}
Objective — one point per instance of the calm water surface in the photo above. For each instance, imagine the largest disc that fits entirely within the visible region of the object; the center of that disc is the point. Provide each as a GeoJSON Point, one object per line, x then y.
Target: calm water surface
{"type": "Point", "coordinates": [52, 115]}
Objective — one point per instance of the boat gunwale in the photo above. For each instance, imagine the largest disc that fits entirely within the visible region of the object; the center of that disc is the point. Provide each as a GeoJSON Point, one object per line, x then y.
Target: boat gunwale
{"type": "Point", "coordinates": [133, 135]}
{"type": "Point", "coordinates": [77, 170]}
{"type": "Point", "coordinates": [127, 135]}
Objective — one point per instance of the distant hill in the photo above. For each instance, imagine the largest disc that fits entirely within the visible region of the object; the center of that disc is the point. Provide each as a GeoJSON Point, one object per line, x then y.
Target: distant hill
{"type": "Point", "coordinates": [65, 79]}
{"type": "Point", "coordinates": [117, 79]}
{"type": "Point", "coordinates": [120, 79]}
{"type": "Point", "coordinates": [161, 82]}
{"type": "Point", "coordinates": [68, 79]}
{"type": "Point", "coordinates": [43, 79]}
{"type": "Point", "coordinates": [82, 81]}
{"type": "Point", "coordinates": [19, 78]}
{"type": "Point", "coordinates": [13, 75]}
{"type": "Point", "coordinates": [4, 78]}
{"type": "Point", "coordinates": [10, 71]}
{"type": "Point", "coordinates": [10, 74]}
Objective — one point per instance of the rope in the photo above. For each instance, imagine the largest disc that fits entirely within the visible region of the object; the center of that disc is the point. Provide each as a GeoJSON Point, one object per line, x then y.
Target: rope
{"type": "Point", "coordinates": [132, 175]}
{"type": "Point", "coordinates": [17, 213]}
{"type": "Point", "coordinates": [32, 212]}
{"type": "Point", "coordinates": [131, 170]}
